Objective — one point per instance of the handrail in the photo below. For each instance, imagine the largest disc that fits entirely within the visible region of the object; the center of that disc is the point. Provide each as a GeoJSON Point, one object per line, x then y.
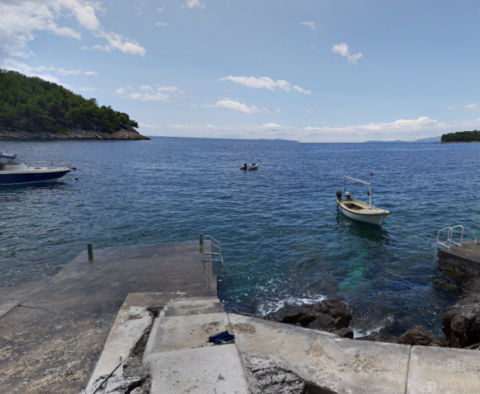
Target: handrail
{"type": "Point", "coordinates": [461, 238]}
{"type": "Point", "coordinates": [213, 244]}
{"type": "Point", "coordinates": [448, 243]}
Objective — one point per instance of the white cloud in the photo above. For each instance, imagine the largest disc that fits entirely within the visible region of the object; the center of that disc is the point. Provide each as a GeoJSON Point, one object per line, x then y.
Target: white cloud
{"type": "Point", "coordinates": [238, 106]}
{"type": "Point", "coordinates": [89, 89]}
{"type": "Point", "coordinates": [21, 20]}
{"type": "Point", "coordinates": [91, 73]}
{"type": "Point", "coordinates": [342, 50]}
{"type": "Point", "coordinates": [149, 93]}
{"type": "Point", "coordinates": [310, 24]}
{"type": "Point", "coordinates": [309, 110]}
{"type": "Point", "coordinates": [452, 107]}
{"type": "Point", "coordinates": [265, 83]}
{"type": "Point", "coordinates": [301, 90]}
{"type": "Point", "coordinates": [193, 3]}
{"type": "Point", "coordinates": [44, 72]}
{"type": "Point", "coordinates": [62, 71]}
{"type": "Point", "coordinates": [403, 129]}
{"type": "Point", "coordinates": [161, 24]}
{"type": "Point", "coordinates": [117, 41]}
{"type": "Point", "coordinates": [148, 126]}
{"type": "Point", "coordinates": [472, 107]}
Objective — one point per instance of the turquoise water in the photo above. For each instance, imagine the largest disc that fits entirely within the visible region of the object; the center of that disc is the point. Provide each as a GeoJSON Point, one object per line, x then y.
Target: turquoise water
{"type": "Point", "coordinates": [282, 237]}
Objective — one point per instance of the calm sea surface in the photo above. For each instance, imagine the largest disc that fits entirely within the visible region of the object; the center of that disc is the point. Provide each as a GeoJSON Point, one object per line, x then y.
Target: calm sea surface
{"type": "Point", "coordinates": [282, 237]}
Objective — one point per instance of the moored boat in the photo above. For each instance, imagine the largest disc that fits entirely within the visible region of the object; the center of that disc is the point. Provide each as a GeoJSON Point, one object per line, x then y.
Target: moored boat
{"type": "Point", "coordinates": [14, 172]}
{"type": "Point", "coordinates": [249, 167]}
{"type": "Point", "coordinates": [359, 210]}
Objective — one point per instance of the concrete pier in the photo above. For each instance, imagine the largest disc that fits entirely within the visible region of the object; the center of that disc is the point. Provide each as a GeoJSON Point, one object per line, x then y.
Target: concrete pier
{"type": "Point", "coordinates": [461, 260]}
{"type": "Point", "coordinates": [52, 334]}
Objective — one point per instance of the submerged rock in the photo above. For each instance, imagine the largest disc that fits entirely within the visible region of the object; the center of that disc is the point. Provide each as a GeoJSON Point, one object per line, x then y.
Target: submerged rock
{"type": "Point", "coordinates": [415, 336]}
{"type": "Point", "coordinates": [329, 315]}
{"type": "Point", "coordinates": [419, 336]}
{"type": "Point", "coordinates": [461, 322]}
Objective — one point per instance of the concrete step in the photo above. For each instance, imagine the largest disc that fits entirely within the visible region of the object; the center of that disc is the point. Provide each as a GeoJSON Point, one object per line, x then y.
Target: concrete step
{"type": "Point", "coordinates": [180, 358]}
{"type": "Point", "coordinates": [193, 306]}
{"type": "Point", "coordinates": [208, 370]}
{"type": "Point", "coordinates": [186, 324]}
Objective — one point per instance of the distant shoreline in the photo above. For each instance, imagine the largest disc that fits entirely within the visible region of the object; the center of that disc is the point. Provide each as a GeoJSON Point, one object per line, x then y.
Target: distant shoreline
{"type": "Point", "coordinates": [76, 134]}
{"type": "Point", "coordinates": [458, 142]}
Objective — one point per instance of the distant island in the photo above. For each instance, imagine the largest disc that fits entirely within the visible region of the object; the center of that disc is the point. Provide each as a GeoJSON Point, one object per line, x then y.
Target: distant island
{"type": "Point", "coordinates": [461, 136]}
{"type": "Point", "coordinates": [431, 139]}
{"type": "Point", "coordinates": [31, 108]}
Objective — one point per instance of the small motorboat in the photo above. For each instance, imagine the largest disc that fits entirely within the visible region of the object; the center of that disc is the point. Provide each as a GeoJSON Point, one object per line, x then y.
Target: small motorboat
{"type": "Point", "coordinates": [14, 172]}
{"type": "Point", "coordinates": [253, 166]}
{"type": "Point", "coordinates": [359, 210]}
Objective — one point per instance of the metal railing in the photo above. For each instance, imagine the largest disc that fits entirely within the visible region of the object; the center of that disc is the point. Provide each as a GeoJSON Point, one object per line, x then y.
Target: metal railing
{"type": "Point", "coordinates": [449, 241]}
{"type": "Point", "coordinates": [215, 249]}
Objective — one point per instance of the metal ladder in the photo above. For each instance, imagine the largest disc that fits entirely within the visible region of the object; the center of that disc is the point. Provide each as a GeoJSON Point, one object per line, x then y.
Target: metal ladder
{"type": "Point", "coordinates": [449, 241]}
{"type": "Point", "coordinates": [215, 249]}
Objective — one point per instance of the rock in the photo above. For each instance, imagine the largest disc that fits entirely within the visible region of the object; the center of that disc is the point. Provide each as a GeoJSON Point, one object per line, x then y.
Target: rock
{"type": "Point", "coordinates": [419, 336]}
{"type": "Point", "coordinates": [416, 336]}
{"type": "Point", "coordinates": [461, 322]}
{"type": "Point", "coordinates": [266, 377]}
{"type": "Point", "coordinates": [125, 134]}
{"type": "Point", "coordinates": [117, 384]}
{"type": "Point", "coordinates": [330, 315]}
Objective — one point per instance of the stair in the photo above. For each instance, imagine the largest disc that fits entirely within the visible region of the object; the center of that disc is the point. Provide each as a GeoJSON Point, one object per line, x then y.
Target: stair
{"type": "Point", "coordinates": [180, 358]}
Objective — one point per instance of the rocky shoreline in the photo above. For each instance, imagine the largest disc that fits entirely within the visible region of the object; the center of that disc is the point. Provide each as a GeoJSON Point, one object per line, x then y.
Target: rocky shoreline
{"type": "Point", "coordinates": [75, 134]}
{"type": "Point", "coordinates": [460, 322]}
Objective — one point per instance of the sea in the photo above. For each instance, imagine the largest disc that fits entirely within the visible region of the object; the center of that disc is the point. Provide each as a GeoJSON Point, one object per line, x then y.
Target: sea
{"type": "Point", "coordinates": [282, 238]}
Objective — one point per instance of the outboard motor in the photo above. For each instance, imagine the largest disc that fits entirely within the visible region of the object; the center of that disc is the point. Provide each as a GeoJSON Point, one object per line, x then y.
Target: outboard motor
{"type": "Point", "coordinates": [339, 195]}
{"type": "Point", "coordinates": [348, 195]}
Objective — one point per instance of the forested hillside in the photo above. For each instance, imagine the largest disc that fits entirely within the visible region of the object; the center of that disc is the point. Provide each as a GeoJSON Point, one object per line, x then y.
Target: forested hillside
{"type": "Point", "coordinates": [462, 136]}
{"type": "Point", "coordinates": [30, 103]}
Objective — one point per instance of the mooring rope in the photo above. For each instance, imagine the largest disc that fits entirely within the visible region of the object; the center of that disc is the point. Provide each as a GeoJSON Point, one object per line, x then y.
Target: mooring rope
{"type": "Point", "coordinates": [412, 230]}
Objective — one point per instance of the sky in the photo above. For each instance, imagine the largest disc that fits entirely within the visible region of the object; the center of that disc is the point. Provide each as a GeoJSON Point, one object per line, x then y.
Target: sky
{"type": "Point", "coordinates": [304, 70]}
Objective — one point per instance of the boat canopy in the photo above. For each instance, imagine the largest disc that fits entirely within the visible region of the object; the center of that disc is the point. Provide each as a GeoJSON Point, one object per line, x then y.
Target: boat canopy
{"type": "Point", "coordinates": [7, 156]}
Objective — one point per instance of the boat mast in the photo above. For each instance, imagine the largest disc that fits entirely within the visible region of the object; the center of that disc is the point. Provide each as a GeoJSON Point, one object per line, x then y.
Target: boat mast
{"type": "Point", "coordinates": [370, 190]}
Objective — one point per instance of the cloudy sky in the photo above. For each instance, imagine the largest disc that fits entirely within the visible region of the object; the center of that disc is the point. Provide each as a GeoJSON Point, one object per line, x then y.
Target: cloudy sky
{"type": "Point", "coordinates": [306, 70]}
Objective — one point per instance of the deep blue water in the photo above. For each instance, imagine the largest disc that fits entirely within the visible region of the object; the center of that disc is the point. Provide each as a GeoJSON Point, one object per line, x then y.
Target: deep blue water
{"type": "Point", "coordinates": [281, 234]}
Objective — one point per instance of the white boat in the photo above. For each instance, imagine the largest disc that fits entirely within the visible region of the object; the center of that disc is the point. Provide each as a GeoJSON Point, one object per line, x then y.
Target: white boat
{"type": "Point", "coordinates": [249, 167]}
{"type": "Point", "coordinates": [14, 172]}
{"type": "Point", "coordinates": [358, 210]}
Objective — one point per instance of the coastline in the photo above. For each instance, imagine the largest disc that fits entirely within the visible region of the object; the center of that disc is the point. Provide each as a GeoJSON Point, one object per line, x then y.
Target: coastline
{"type": "Point", "coordinates": [126, 134]}
{"type": "Point", "coordinates": [458, 142]}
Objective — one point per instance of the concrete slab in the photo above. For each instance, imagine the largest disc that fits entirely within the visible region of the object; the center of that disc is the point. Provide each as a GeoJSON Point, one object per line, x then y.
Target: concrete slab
{"type": "Point", "coordinates": [46, 351]}
{"type": "Point", "coordinates": [215, 369]}
{"type": "Point", "coordinates": [131, 322]}
{"type": "Point", "coordinates": [443, 370]}
{"type": "Point", "coordinates": [193, 306]}
{"type": "Point", "coordinates": [10, 297]}
{"type": "Point", "coordinates": [332, 363]}
{"type": "Point", "coordinates": [100, 287]}
{"type": "Point", "coordinates": [185, 332]}
{"type": "Point", "coordinates": [51, 342]}
{"type": "Point", "coordinates": [464, 260]}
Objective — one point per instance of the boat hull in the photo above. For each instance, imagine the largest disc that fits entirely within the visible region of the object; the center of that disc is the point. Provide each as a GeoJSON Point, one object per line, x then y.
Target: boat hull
{"type": "Point", "coordinates": [371, 219]}
{"type": "Point", "coordinates": [31, 177]}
